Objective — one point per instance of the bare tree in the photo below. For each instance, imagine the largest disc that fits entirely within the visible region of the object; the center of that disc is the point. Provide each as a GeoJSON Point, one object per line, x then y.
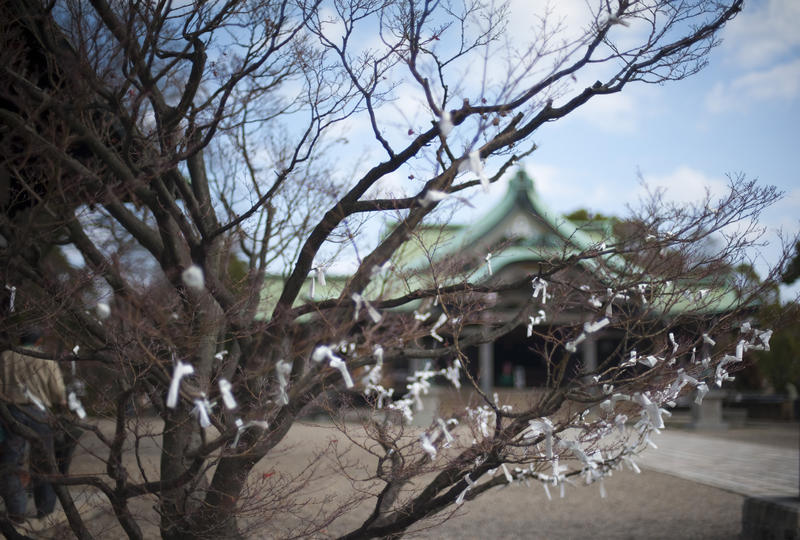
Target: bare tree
{"type": "Point", "coordinates": [162, 161]}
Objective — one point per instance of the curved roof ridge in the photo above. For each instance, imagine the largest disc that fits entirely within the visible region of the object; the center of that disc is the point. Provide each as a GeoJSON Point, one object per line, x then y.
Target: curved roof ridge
{"type": "Point", "coordinates": [522, 193]}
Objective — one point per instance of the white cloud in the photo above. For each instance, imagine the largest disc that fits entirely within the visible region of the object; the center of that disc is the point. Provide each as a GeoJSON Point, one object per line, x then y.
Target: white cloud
{"type": "Point", "coordinates": [684, 185]}
{"type": "Point", "coordinates": [563, 190]}
{"type": "Point", "coordinates": [782, 222]}
{"type": "Point", "coordinates": [781, 82]}
{"type": "Point", "coordinates": [690, 186]}
{"type": "Point", "coordinates": [614, 113]}
{"type": "Point", "coordinates": [572, 15]}
{"type": "Point", "coordinates": [395, 184]}
{"type": "Point", "coordinates": [763, 32]}
{"type": "Point", "coordinates": [551, 183]}
{"type": "Point", "coordinates": [785, 214]}
{"type": "Point", "coordinates": [332, 25]}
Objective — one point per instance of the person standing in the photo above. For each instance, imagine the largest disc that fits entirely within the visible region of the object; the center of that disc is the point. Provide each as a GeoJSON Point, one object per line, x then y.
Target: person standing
{"type": "Point", "coordinates": [31, 388]}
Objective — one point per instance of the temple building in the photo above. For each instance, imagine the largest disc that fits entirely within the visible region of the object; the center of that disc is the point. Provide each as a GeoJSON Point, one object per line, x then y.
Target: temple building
{"type": "Point", "coordinates": [518, 238]}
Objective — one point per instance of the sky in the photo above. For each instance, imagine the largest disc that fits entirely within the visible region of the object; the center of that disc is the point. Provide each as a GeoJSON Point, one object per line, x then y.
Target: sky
{"type": "Point", "coordinates": [741, 114]}
{"type": "Point", "coordinates": [738, 116]}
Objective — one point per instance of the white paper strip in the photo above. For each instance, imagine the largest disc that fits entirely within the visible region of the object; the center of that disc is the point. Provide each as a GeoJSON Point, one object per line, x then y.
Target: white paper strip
{"type": "Point", "coordinates": [324, 352]}
{"type": "Point", "coordinates": [439, 323]}
{"type": "Point", "coordinates": [542, 426]}
{"type": "Point", "coordinates": [674, 343]}
{"type": "Point", "coordinates": [181, 370]}
{"type": "Point", "coordinates": [11, 297]}
{"type": "Point", "coordinates": [319, 272]}
{"type": "Point", "coordinates": [539, 286]}
{"type": "Point", "coordinates": [102, 310]}
{"type": "Point", "coordinates": [75, 406]}
{"type": "Point", "coordinates": [202, 408]}
{"type": "Point", "coordinates": [470, 484]}
{"type": "Point", "coordinates": [445, 124]}
{"type": "Point", "coordinates": [433, 196]}
{"type": "Point", "coordinates": [225, 388]}
{"type": "Point", "coordinates": [447, 436]}
{"type": "Point", "coordinates": [75, 350]}
{"type": "Point", "coordinates": [193, 278]}
{"type": "Point", "coordinates": [427, 446]}
{"type": "Point", "coordinates": [33, 399]}
{"type": "Point", "coordinates": [283, 370]}
{"type": "Point", "coordinates": [242, 426]}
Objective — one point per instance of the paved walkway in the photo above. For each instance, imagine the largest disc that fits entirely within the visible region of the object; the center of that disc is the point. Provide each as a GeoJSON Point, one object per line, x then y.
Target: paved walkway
{"type": "Point", "coordinates": [766, 468]}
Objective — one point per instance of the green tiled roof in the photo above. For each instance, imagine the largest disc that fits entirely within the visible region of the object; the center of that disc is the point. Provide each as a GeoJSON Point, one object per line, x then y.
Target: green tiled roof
{"type": "Point", "coordinates": [519, 229]}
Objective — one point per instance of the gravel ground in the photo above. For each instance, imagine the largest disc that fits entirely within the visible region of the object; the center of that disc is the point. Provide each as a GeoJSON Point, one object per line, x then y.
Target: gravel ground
{"type": "Point", "coordinates": [649, 505]}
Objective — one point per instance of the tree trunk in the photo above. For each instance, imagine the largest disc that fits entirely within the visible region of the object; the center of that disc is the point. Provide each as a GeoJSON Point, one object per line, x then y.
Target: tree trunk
{"type": "Point", "coordinates": [180, 436]}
